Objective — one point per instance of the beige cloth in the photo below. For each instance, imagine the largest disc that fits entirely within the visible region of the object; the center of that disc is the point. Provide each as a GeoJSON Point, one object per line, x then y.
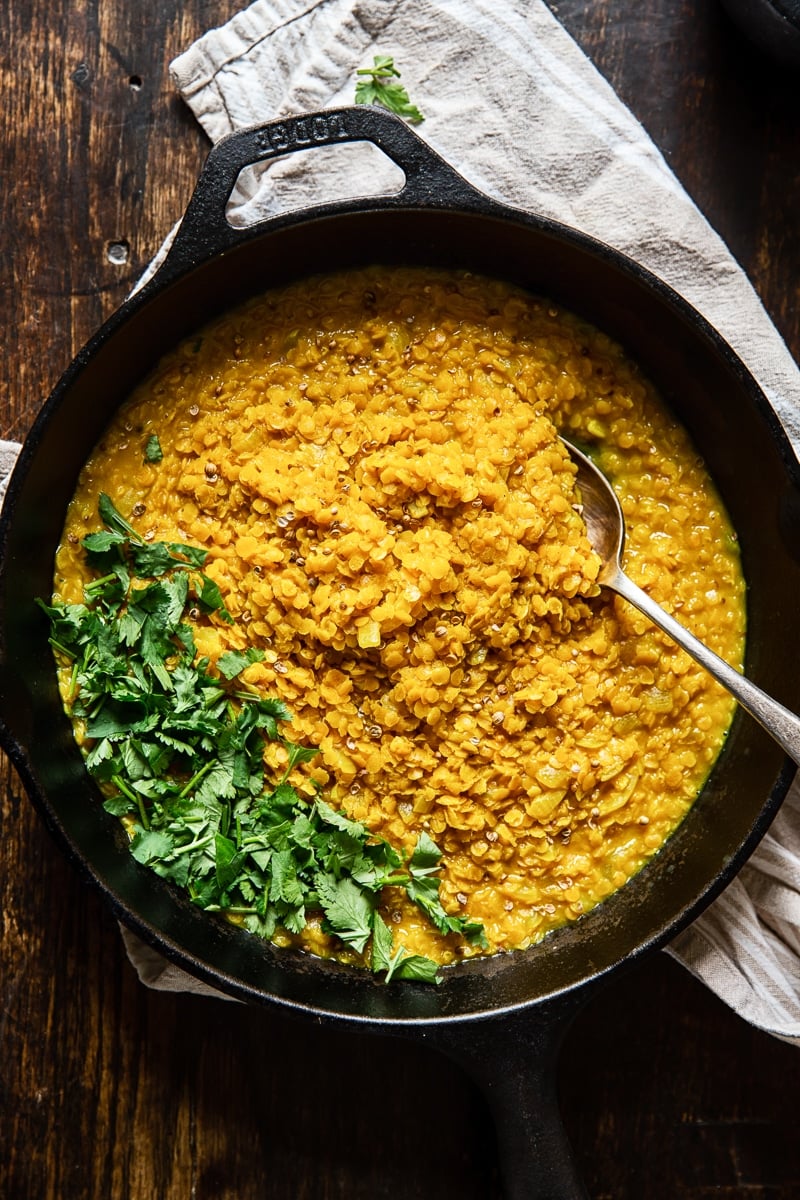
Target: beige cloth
{"type": "Point", "coordinates": [8, 456]}
{"type": "Point", "coordinates": [515, 105]}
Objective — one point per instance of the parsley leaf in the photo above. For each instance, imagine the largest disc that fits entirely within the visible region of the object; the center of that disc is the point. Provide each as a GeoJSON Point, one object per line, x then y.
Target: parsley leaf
{"type": "Point", "coordinates": [379, 85]}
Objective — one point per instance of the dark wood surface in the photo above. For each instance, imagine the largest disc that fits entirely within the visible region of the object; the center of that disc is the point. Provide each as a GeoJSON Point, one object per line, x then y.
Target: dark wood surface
{"type": "Point", "coordinates": [108, 1090]}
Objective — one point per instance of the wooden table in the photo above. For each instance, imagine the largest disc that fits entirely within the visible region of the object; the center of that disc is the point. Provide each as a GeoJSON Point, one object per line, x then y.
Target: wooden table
{"type": "Point", "coordinates": [108, 1090]}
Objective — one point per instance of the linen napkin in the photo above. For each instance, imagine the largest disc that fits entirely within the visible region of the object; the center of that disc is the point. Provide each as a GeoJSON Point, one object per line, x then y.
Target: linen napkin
{"type": "Point", "coordinates": [512, 102]}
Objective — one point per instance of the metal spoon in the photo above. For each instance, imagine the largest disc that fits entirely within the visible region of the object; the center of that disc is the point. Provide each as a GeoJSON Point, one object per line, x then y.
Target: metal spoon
{"type": "Point", "coordinates": [605, 526]}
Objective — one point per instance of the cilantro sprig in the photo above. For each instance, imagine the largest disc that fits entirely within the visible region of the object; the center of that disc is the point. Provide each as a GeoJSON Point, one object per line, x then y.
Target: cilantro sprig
{"type": "Point", "coordinates": [379, 84]}
{"type": "Point", "coordinates": [177, 745]}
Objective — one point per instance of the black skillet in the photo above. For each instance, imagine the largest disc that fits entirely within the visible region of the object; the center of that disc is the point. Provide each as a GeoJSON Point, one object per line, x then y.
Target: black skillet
{"type": "Point", "coordinates": [503, 1018]}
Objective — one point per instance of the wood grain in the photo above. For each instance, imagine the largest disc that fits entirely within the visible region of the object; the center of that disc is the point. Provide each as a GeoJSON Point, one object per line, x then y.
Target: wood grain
{"type": "Point", "coordinates": [108, 1090]}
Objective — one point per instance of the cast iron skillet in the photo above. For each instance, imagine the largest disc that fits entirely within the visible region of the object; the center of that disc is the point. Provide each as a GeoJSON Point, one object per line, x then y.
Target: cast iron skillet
{"type": "Point", "coordinates": [503, 1018]}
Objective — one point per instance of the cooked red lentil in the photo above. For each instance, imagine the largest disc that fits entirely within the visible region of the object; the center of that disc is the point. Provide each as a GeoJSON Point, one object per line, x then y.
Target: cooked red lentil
{"type": "Point", "coordinates": [370, 460]}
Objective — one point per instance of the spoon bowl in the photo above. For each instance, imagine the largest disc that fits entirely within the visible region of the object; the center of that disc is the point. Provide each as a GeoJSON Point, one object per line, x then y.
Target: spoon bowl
{"type": "Point", "coordinates": [605, 526]}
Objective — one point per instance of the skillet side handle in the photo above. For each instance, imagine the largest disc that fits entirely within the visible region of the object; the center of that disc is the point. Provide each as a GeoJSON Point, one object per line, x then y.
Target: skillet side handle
{"type": "Point", "coordinates": [205, 230]}
{"type": "Point", "coordinates": [513, 1061]}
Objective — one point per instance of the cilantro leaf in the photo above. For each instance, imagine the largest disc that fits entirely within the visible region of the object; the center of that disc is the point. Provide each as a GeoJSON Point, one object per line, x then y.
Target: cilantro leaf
{"type": "Point", "coordinates": [149, 559]}
{"type": "Point", "coordinates": [150, 844]}
{"type": "Point", "coordinates": [413, 966]}
{"type": "Point", "coordinates": [119, 806]}
{"type": "Point", "coordinates": [233, 662]}
{"type": "Point", "coordinates": [424, 891]}
{"type": "Point", "coordinates": [285, 884]}
{"type": "Point", "coordinates": [348, 909]}
{"type": "Point", "coordinates": [103, 540]}
{"type": "Point", "coordinates": [152, 450]}
{"type": "Point", "coordinates": [378, 85]}
{"type": "Point", "coordinates": [299, 754]}
{"type": "Point", "coordinates": [338, 820]}
{"type": "Point", "coordinates": [113, 519]}
{"type": "Point", "coordinates": [425, 857]}
{"type": "Point", "coordinates": [423, 888]}
{"type": "Point", "coordinates": [210, 597]}
{"type": "Point", "coordinates": [399, 964]}
{"type": "Point", "coordinates": [382, 944]}
{"type": "Point", "coordinates": [227, 861]}
{"type": "Point", "coordinates": [183, 554]}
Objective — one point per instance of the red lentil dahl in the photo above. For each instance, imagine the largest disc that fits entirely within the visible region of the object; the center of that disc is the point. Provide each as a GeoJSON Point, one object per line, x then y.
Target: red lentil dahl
{"type": "Point", "coordinates": [370, 460]}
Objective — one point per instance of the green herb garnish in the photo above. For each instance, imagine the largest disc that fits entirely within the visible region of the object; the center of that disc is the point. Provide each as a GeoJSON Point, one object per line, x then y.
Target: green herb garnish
{"type": "Point", "coordinates": [380, 85]}
{"type": "Point", "coordinates": [178, 747]}
{"type": "Point", "coordinates": [152, 451]}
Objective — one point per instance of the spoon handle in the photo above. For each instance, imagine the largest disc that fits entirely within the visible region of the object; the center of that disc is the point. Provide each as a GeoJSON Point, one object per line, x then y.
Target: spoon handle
{"type": "Point", "coordinates": [778, 721]}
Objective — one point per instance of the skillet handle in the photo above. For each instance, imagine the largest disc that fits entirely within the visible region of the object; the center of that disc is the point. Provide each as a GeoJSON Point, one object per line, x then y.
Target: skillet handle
{"type": "Point", "coordinates": [204, 231]}
{"type": "Point", "coordinates": [513, 1061]}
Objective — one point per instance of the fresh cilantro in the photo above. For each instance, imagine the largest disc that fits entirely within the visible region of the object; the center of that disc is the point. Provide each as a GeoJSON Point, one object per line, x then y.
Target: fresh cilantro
{"type": "Point", "coordinates": [398, 964]}
{"type": "Point", "coordinates": [426, 856]}
{"type": "Point", "coordinates": [382, 945]}
{"type": "Point", "coordinates": [150, 844]}
{"type": "Point", "coordinates": [379, 85]}
{"type": "Point", "coordinates": [114, 520]}
{"type": "Point", "coordinates": [299, 754]}
{"type": "Point", "coordinates": [233, 662]}
{"type": "Point", "coordinates": [423, 889]}
{"type": "Point", "coordinates": [178, 748]}
{"type": "Point", "coordinates": [152, 451]}
{"type": "Point", "coordinates": [349, 909]}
